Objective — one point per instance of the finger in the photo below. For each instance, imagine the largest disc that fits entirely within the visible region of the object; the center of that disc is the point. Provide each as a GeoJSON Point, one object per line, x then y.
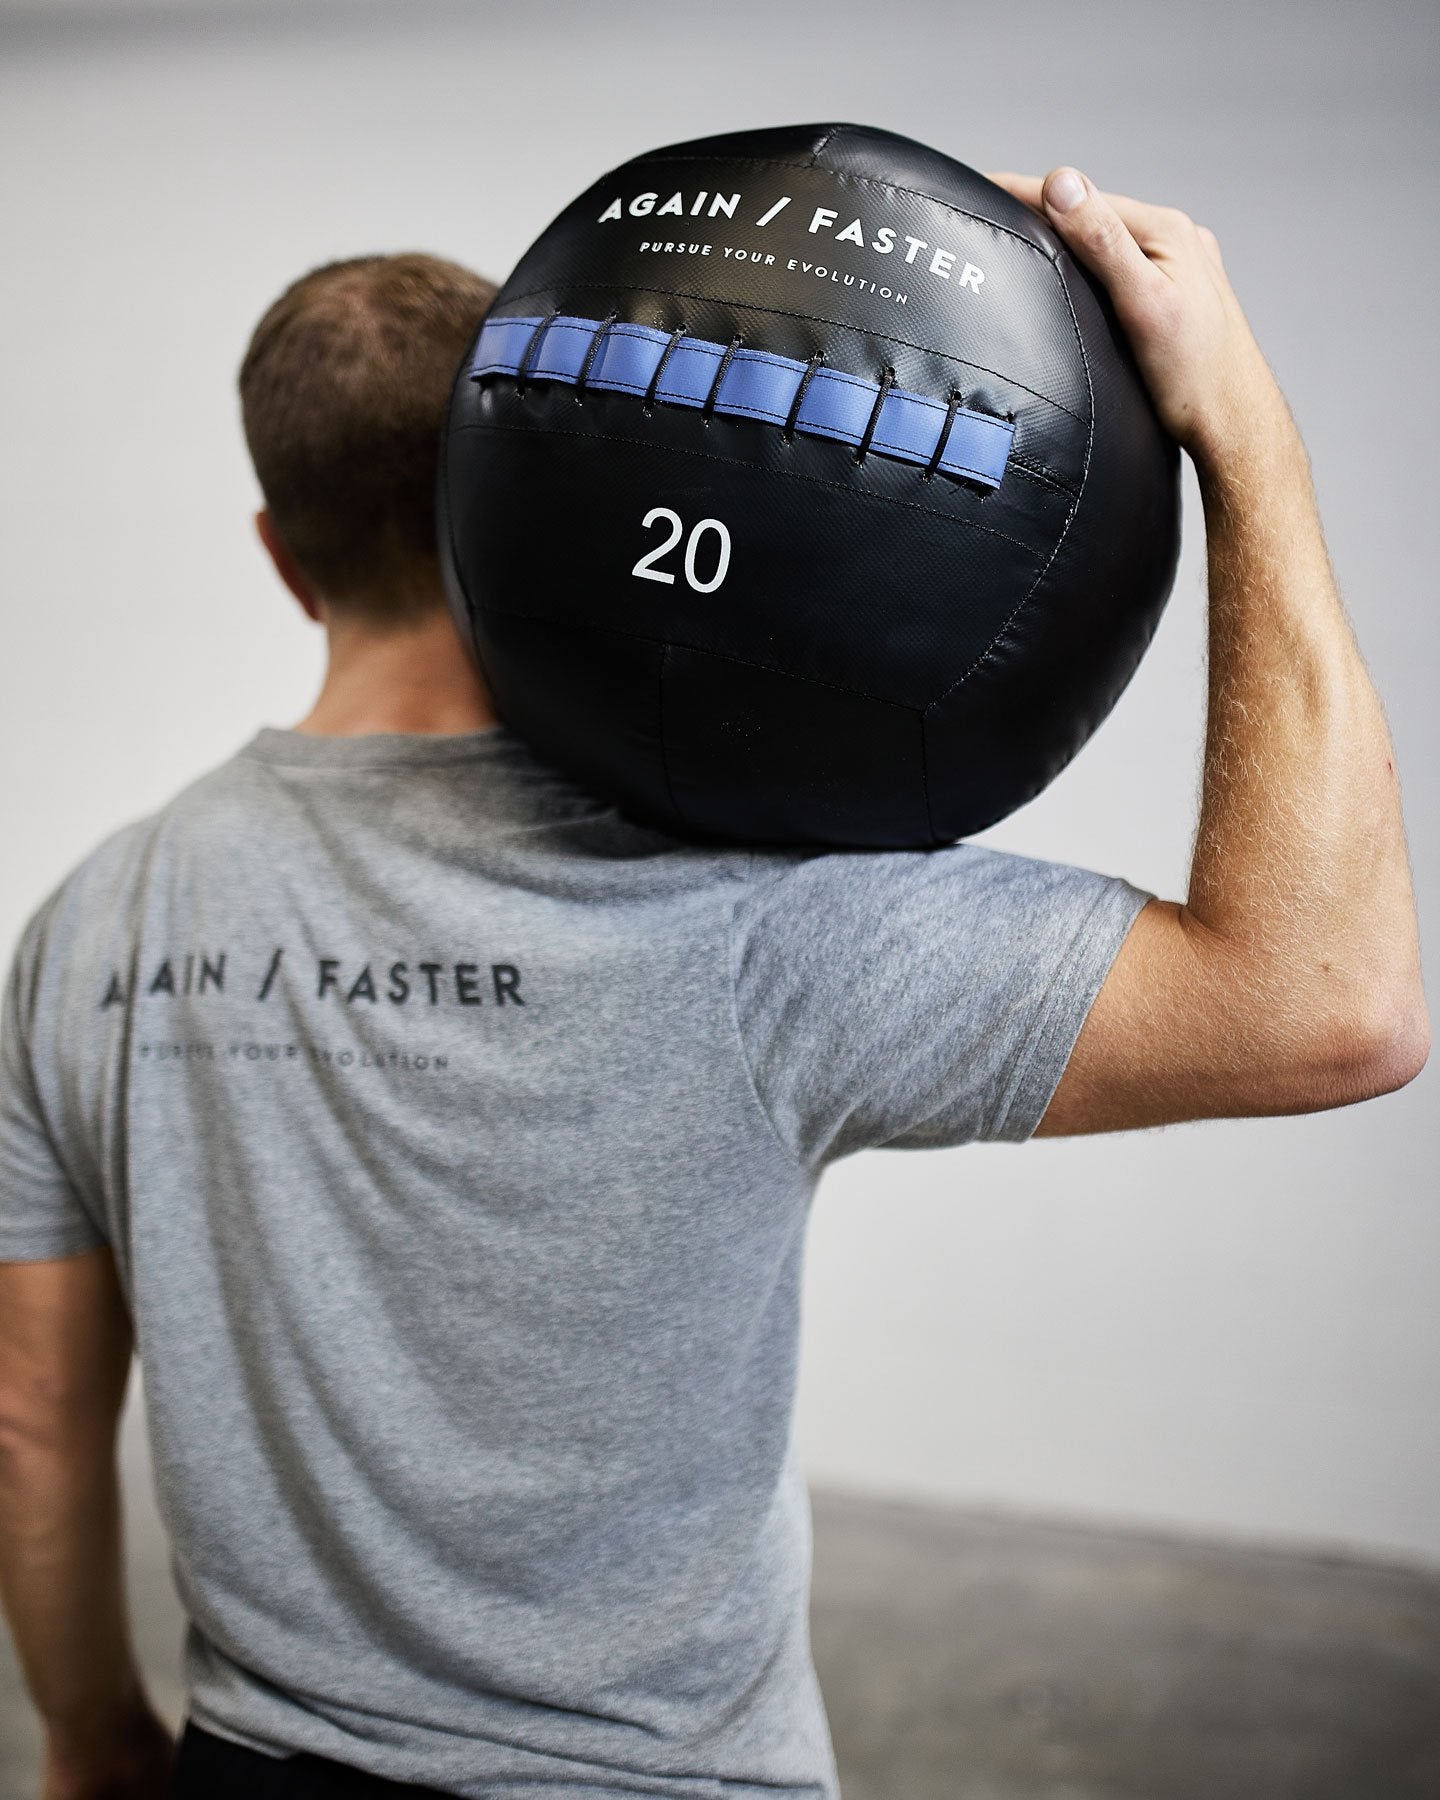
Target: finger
{"type": "Point", "coordinates": [1149, 225]}
{"type": "Point", "coordinates": [1152, 227]}
{"type": "Point", "coordinates": [1210, 244]}
{"type": "Point", "coordinates": [1093, 230]}
{"type": "Point", "coordinates": [1025, 188]}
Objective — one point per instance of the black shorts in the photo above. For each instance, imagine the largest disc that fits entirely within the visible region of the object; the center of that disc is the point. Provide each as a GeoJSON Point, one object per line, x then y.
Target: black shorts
{"type": "Point", "coordinates": [212, 1768]}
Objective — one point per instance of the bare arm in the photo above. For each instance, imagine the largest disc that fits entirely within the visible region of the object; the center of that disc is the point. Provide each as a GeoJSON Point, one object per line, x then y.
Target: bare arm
{"type": "Point", "coordinates": [65, 1348]}
{"type": "Point", "coordinates": [1289, 978]}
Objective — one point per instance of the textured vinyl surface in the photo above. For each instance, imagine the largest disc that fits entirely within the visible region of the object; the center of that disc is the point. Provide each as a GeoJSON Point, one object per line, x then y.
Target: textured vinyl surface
{"type": "Point", "coordinates": [741, 631]}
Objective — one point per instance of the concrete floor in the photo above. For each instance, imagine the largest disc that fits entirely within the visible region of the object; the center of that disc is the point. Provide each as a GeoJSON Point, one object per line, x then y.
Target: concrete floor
{"type": "Point", "coordinates": [988, 1658]}
{"type": "Point", "coordinates": [978, 1657]}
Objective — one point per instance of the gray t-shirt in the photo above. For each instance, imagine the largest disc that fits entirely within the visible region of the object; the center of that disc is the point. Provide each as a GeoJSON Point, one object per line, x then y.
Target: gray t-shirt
{"type": "Point", "coordinates": [455, 1139]}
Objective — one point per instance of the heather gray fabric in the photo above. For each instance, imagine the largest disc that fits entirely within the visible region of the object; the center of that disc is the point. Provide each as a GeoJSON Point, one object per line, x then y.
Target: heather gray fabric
{"type": "Point", "coordinates": [456, 1142]}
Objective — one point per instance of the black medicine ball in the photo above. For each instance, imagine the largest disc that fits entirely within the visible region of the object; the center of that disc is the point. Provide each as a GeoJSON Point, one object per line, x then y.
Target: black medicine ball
{"type": "Point", "coordinates": [801, 488]}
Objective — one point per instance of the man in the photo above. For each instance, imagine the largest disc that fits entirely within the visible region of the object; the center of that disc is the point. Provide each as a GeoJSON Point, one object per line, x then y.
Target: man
{"type": "Point", "coordinates": [447, 1142]}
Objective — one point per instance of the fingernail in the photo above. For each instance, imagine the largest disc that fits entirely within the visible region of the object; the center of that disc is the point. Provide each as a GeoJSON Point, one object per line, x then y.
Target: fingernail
{"type": "Point", "coordinates": [1065, 189]}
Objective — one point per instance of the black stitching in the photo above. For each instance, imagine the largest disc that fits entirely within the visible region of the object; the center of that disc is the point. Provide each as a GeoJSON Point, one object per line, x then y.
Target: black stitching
{"type": "Point", "coordinates": [648, 403]}
{"type": "Point", "coordinates": [988, 652]}
{"type": "Point", "coordinates": [531, 348]}
{"type": "Point", "coordinates": [1041, 476]}
{"type": "Point", "coordinates": [660, 730]}
{"type": "Point", "coordinates": [925, 781]}
{"type": "Point", "coordinates": [787, 430]}
{"type": "Point", "coordinates": [900, 451]}
{"type": "Point", "coordinates": [839, 487]}
{"type": "Point", "coordinates": [825, 139]}
{"type": "Point", "coordinates": [859, 331]}
{"type": "Point", "coordinates": [887, 381]}
{"type": "Point", "coordinates": [590, 355]}
{"type": "Point", "coordinates": [839, 687]}
{"type": "Point", "coordinates": [707, 411]}
{"type": "Point", "coordinates": [890, 187]}
{"type": "Point", "coordinates": [938, 452]}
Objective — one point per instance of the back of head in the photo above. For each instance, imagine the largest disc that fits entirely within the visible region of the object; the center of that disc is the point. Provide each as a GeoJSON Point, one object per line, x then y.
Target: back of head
{"type": "Point", "coordinates": [343, 392]}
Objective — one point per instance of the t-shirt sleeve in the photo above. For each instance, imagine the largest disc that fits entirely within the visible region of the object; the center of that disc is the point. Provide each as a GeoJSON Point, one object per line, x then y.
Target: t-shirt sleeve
{"type": "Point", "coordinates": [918, 999]}
{"type": "Point", "coordinates": [41, 1213]}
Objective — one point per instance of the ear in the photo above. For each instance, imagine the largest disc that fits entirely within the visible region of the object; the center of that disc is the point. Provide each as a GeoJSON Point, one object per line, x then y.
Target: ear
{"type": "Point", "coordinates": [287, 568]}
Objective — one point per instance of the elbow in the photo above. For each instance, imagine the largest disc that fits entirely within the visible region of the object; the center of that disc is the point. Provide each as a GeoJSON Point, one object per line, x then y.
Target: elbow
{"type": "Point", "coordinates": [1385, 1049]}
{"type": "Point", "coordinates": [1401, 1045]}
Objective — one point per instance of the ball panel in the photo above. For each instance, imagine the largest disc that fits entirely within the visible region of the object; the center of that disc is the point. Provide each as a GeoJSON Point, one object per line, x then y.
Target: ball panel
{"type": "Point", "coordinates": [855, 253]}
{"type": "Point", "coordinates": [1067, 653]}
{"type": "Point", "coordinates": [587, 701]}
{"type": "Point", "coordinates": [1047, 437]}
{"type": "Point", "coordinates": [821, 579]}
{"type": "Point", "coordinates": [849, 149]}
{"type": "Point", "coordinates": [762, 756]}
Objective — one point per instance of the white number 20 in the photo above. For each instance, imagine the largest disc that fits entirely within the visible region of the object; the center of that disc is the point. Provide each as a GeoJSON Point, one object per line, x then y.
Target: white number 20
{"type": "Point", "coordinates": [646, 569]}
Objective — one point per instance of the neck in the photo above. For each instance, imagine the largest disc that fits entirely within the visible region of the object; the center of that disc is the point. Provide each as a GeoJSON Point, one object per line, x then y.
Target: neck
{"type": "Point", "coordinates": [415, 677]}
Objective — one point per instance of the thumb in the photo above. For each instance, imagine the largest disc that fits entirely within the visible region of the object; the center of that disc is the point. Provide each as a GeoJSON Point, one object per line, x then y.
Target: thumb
{"type": "Point", "coordinates": [1095, 234]}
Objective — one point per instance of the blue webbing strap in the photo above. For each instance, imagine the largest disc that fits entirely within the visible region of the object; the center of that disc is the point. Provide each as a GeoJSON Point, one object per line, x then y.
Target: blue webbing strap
{"type": "Point", "coordinates": [753, 384]}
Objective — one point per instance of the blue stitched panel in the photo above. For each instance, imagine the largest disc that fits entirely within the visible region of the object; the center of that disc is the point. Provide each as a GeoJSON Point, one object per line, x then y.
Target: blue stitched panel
{"type": "Point", "coordinates": [690, 373]}
{"type": "Point", "coordinates": [503, 343]}
{"type": "Point", "coordinates": [756, 385]}
{"type": "Point", "coordinates": [908, 426]}
{"type": "Point", "coordinates": [560, 353]}
{"type": "Point", "coordinates": [969, 450]}
{"type": "Point", "coordinates": [626, 359]}
{"type": "Point", "coordinates": [837, 406]}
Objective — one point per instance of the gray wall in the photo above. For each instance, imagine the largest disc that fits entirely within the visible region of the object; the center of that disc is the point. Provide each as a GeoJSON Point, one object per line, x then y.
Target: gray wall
{"type": "Point", "coordinates": [1229, 1327]}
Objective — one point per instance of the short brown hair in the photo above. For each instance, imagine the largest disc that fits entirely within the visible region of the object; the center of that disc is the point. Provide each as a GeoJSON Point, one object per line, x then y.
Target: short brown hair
{"type": "Point", "coordinates": [343, 393]}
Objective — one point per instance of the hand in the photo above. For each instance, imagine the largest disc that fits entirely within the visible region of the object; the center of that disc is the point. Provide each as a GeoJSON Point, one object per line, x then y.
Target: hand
{"type": "Point", "coordinates": [131, 1762]}
{"type": "Point", "coordinates": [1163, 273]}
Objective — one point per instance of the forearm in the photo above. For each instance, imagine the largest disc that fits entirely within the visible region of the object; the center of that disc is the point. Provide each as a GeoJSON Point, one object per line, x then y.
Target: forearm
{"type": "Point", "coordinates": [1288, 980]}
{"type": "Point", "coordinates": [61, 1579]}
{"type": "Point", "coordinates": [1299, 864]}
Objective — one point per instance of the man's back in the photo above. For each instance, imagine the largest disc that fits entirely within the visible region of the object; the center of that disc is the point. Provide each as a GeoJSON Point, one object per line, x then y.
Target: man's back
{"type": "Point", "coordinates": [455, 1140]}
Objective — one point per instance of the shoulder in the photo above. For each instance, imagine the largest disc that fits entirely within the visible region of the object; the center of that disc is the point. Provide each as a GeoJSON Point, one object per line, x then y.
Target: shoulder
{"type": "Point", "coordinates": [96, 890]}
{"type": "Point", "coordinates": [987, 928]}
{"type": "Point", "coordinates": [970, 884]}
{"type": "Point", "coordinates": [94, 879]}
